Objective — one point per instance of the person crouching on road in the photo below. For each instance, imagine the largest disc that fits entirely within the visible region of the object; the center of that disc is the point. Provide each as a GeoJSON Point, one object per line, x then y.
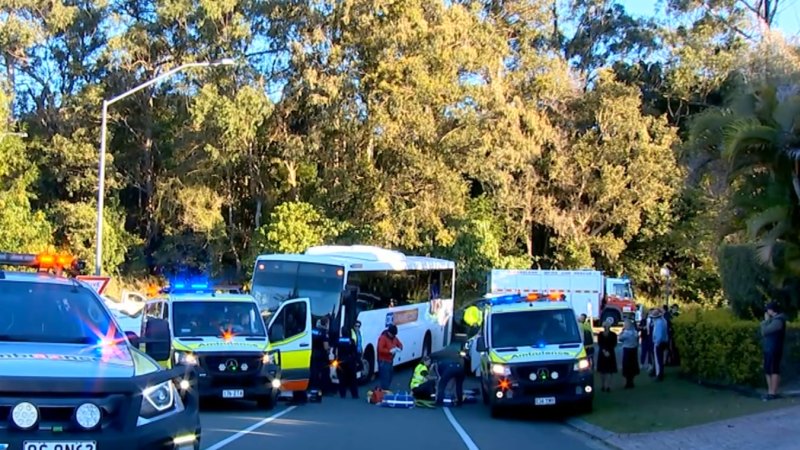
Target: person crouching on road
{"type": "Point", "coordinates": [423, 382]}
{"type": "Point", "coordinates": [347, 364]}
{"type": "Point", "coordinates": [450, 370]}
{"type": "Point", "coordinates": [388, 347]}
{"type": "Point", "coordinates": [629, 338]}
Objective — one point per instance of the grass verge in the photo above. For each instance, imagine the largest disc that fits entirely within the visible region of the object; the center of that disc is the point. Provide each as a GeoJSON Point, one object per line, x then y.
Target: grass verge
{"type": "Point", "coordinates": [669, 405]}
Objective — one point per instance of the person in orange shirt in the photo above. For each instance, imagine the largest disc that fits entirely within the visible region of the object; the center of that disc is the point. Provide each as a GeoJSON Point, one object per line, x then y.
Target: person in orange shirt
{"type": "Point", "coordinates": [388, 346]}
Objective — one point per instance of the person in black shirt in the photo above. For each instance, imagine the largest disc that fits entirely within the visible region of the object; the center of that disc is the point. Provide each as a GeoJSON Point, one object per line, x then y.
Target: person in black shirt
{"type": "Point", "coordinates": [348, 358]}
{"type": "Point", "coordinates": [320, 360]}
{"type": "Point", "coordinates": [450, 369]}
{"type": "Point", "coordinates": [773, 330]}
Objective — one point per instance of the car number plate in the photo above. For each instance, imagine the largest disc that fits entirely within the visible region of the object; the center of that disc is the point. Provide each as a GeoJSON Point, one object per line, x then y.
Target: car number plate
{"type": "Point", "coordinates": [541, 401]}
{"type": "Point", "coordinates": [232, 393]}
{"type": "Point", "coordinates": [60, 445]}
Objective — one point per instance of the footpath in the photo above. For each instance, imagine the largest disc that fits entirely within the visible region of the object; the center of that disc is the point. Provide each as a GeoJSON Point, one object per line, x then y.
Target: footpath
{"type": "Point", "coordinates": [773, 430]}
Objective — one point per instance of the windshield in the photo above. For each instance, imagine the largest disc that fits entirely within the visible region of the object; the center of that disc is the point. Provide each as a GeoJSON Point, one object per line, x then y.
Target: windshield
{"type": "Point", "coordinates": [212, 319]}
{"type": "Point", "coordinates": [53, 313]}
{"type": "Point", "coordinates": [534, 328]}
{"type": "Point", "coordinates": [277, 281]}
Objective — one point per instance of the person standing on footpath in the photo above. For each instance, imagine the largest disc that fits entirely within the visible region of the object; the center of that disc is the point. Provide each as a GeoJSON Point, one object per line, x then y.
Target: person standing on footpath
{"type": "Point", "coordinates": [629, 338]}
{"type": "Point", "coordinates": [388, 346]}
{"type": "Point", "coordinates": [773, 330]}
{"type": "Point", "coordinates": [607, 358]}
{"type": "Point", "coordinates": [660, 341]}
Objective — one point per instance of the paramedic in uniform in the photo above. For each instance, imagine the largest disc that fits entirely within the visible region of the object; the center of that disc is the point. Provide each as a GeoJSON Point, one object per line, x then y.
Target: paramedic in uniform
{"type": "Point", "coordinates": [450, 370]}
{"type": "Point", "coordinates": [348, 359]}
{"type": "Point", "coordinates": [423, 382]}
{"type": "Point", "coordinates": [320, 349]}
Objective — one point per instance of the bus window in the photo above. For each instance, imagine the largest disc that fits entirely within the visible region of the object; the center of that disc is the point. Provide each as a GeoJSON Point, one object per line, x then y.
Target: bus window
{"type": "Point", "coordinates": [323, 284]}
{"type": "Point", "coordinates": [279, 281]}
{"type": "Point", "coordinates": [446, 290]}
{"type": "Point", "coordinates": [379, 290]}
{"type": "Point", "coordinates": [274, 284]}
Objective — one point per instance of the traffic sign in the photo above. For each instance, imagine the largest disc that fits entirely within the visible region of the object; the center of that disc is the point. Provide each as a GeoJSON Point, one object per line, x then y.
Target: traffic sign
{"type": "Point", "coordinates": [99, 284]}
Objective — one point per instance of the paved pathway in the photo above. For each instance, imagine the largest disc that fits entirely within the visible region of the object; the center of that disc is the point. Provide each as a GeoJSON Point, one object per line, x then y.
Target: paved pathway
{"type": "Point", "coordinates": [773, 430]}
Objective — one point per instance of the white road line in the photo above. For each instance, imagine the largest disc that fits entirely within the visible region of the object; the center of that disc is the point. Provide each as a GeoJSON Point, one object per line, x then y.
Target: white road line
{"type": "Point", "coordinates": [249, 429]}
{"type": "Point", "coordinates": [461, 433]}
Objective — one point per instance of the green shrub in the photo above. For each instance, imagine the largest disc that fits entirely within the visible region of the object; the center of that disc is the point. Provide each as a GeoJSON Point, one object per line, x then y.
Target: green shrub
{"type": "Point", "coordinates": [744, 280]}
{"type": "Point", "coordinates": [717, 347]}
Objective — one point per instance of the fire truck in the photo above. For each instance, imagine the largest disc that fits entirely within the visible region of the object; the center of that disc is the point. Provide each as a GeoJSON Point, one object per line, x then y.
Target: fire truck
{"type": "Point", "coordinates": [589, 292]}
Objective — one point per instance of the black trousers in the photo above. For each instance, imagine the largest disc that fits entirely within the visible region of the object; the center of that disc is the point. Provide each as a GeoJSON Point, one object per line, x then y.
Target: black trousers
{"type": "Point", "coordinates": [347, 379]}
{"type": "Point", "coordinates": [424, 390]}
{"type": "Point", "coordinates": [661, 350]}
{"type": "Point", "coordinates": [320, 375]}
{"type": "Point", "coordinates": [452, 371]}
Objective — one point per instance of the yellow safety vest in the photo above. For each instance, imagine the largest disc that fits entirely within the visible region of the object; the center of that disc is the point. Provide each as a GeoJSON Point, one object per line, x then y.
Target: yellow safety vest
{"type": "Point", "coordinates": [472, 316]}
{"type": "Point", "coordinates": [420, 372]}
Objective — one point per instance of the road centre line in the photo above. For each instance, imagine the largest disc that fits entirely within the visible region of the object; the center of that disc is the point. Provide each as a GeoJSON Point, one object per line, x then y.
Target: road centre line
{"type": "Point", "coordinates": [461, 433]}
{"type": "Point", "coordinates": [249, 429]}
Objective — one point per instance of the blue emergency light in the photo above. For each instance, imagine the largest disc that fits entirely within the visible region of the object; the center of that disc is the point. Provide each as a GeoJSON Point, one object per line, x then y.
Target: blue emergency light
{"type": "Point", "coordinates": [506, 299]}
{"type": "Point", "coordinates": [195, 286]}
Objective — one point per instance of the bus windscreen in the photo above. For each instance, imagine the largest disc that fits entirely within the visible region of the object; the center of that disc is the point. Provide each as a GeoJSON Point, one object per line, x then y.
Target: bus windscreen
{"type": "Point", "coordinates": [277, 281]}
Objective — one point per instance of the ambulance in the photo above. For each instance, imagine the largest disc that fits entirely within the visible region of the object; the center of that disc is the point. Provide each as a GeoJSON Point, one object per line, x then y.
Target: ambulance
{"type": "Point", "coordinates": [223, 337]}
{"type": "Point", "coordinates": [529, 351]}
{"type": "Point", "coordinates": [589, 292]}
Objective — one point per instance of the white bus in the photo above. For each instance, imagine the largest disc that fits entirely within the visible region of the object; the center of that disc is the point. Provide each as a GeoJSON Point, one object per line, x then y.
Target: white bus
{"type": "Point", "coordinates": [414, 293]}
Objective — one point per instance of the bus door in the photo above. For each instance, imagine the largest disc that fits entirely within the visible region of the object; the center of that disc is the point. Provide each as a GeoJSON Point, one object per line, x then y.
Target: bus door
{"type": "Point", "coordinates": [289, 331]}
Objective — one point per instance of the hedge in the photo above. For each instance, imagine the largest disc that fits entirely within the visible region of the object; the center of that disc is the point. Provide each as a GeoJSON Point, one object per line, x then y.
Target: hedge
{"type": "Point", "coordinates": [717, 347]}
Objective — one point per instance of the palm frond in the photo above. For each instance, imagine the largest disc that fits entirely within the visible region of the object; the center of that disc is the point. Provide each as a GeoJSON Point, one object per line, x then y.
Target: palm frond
{"type": "Point", "coordinates": [787, 113]}
{"type": "Point", "coordinates": [769, 224]}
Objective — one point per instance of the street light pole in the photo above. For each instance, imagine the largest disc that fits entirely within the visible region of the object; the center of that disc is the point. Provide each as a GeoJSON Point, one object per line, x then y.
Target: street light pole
{"type": "Point", "coordinates": [98, 258]}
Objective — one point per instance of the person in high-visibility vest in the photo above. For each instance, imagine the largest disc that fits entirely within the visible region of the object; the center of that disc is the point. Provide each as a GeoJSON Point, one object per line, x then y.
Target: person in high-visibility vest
{"type": "Point", "coordinates": [423, 382]}
{"type": "Point", "coordinates": [588, 336]}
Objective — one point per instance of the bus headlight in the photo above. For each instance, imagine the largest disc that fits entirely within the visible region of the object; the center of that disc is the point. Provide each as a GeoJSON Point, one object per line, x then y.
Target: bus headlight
{"type": "Point", "coordinates": [582, 365]}
{"type": "Point", "coordinates": [266, 359]}
{"type": "Point", "coordinates": [501, 370]}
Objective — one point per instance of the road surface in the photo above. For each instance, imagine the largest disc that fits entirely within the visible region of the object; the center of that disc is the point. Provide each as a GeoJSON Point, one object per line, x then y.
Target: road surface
{"type": "Point", "coordinates": [348, 424]}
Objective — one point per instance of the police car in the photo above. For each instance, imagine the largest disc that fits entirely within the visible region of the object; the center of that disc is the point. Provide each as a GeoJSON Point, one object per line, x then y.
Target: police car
{"type": "Point", "coordinates": [72, 380]}
{"type": "Point", "coordinates": [531, 353]}
{"type": "Point", "coordinates": [221, 335]}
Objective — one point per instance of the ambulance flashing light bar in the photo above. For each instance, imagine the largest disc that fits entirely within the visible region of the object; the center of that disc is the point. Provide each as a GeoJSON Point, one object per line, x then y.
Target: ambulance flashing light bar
{"type": "Point", "coordinates": [44, 262]}
{"type": "Point", "coordinates": [520, 298]}
{"type": "Point", "coordinates": [189, 286]}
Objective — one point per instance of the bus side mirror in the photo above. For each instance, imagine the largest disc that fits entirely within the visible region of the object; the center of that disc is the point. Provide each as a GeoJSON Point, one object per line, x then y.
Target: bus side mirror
{"type": "Point", "coordinates": [481, 345]}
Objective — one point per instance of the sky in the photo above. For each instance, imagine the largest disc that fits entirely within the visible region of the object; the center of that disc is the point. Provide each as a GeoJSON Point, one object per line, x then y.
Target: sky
{"type": "Point", "coordinates": [788, 17]}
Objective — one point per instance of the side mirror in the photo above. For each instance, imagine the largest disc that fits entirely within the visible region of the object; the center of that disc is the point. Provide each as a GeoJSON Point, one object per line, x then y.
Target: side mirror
{"type": "Point", "coordinates": [481, 344]}
{"type": "Point", "coordinates": [158, 342]}
{"type": "Point", "coordinates": [133, 338]}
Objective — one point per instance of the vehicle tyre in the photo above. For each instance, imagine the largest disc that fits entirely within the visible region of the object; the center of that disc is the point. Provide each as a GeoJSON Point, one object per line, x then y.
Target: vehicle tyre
{"type": "Point", "coordinates": [485, 395]}
{"type": "Point", "coordinates": [612, 314]}
{"type": "Point", "coordinates": [585, 407]}
{"type": "Point", "coordinates": [426, 346]}
{"type": "Point", "coordinates": [495, 411]}
{"type": "Point", "coordinates": [368, 364]}
{"type": "Point", "coordinates": [266, 402]}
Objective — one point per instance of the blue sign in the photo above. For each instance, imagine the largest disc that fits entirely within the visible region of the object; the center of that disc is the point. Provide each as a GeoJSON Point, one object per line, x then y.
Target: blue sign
{"type": "Point", "coordinates": [389, 318]}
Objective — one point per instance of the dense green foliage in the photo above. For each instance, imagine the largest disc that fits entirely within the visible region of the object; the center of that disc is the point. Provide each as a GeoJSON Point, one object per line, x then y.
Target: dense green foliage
{"type": "Point", "coordinates": [560, 133]}
{"type": "Point", "coordinates": [716, 347]}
